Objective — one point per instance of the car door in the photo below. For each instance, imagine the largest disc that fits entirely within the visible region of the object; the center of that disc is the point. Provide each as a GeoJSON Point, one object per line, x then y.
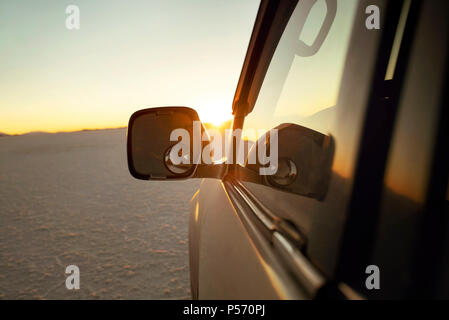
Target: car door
{"type": "Point", "coordinates": [314, 64]}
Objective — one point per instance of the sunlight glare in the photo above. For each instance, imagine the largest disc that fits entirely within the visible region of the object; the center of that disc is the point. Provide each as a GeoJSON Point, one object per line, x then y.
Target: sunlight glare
{"type": "Point", "coordinates": [215, 114]}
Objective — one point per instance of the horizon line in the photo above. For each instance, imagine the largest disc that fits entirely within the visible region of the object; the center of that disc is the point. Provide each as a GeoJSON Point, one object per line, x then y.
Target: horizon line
{"type": "Point", "coordinates": [56, 132]}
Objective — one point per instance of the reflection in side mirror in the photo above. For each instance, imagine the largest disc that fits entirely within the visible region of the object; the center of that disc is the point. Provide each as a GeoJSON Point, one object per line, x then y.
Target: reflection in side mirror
{"type": "Point", "coordinates": [150, 145]}
{"type": "Point", "coordinates": [285, 175]}
{"type": "Point", "coordinates": [304, 165]}
{"type": "Point", "coordinates": [176, 168]}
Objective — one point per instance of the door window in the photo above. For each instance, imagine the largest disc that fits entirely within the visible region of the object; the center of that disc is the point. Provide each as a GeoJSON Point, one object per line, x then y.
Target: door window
{"type": "Point", "coordinates": [302, 84]}
{"type": "Point", "coordinates": [320, 78]}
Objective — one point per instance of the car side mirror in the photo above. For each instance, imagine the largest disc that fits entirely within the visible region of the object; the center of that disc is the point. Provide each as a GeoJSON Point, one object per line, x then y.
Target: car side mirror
{"type": "Point", "coordinates": [167, 144]}
{"type": "Point", "coordinates": [149, 143]}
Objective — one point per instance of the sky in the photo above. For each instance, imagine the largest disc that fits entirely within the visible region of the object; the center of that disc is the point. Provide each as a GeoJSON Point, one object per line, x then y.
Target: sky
{"type": "Point", "coordinates": [126, 56]}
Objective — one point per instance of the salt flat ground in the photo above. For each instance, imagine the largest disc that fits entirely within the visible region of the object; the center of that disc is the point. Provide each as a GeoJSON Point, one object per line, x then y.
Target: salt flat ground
{"type": "Point", "coordinates": [68, 198]}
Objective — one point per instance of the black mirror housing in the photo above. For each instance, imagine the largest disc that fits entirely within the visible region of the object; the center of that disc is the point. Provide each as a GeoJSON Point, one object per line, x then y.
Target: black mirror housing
{"type": "Point", "coordinates": [149, 143]}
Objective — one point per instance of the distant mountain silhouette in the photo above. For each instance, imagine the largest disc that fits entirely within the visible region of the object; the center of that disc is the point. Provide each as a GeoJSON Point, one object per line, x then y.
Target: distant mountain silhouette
{"type": "Point", "coordinates": [38, 133]}
{"type": "Point", "coordinates": [34, 133]}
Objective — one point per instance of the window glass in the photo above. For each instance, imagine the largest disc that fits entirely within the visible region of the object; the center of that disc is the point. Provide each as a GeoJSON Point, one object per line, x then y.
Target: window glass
{"type": "Point", "coordinates": [319, 78]}
{"type": "Point", "coordinates": [301, 83]}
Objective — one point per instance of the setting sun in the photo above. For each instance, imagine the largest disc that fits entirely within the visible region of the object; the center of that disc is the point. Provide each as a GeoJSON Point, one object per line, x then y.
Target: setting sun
{"type": "Point", "coordinates": [215, 114]}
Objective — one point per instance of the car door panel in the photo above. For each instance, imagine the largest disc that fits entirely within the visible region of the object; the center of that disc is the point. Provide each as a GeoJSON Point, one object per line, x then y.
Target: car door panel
{"type": "Point", "coordinates": [233, 264]}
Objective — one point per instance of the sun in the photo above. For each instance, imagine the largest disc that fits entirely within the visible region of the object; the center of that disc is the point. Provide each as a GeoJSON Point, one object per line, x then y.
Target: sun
{"type": "Point", "coordinates": [214, 115]}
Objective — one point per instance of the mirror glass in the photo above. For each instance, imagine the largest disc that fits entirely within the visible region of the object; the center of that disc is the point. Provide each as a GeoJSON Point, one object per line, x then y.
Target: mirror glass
{"type": "Point", "coordinates": [153, 142]}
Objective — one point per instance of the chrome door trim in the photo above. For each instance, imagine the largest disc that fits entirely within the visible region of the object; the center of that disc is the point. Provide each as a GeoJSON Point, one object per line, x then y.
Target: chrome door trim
{"type": "Point", "coordinates": [304, 274]}
{"type": "Point", "coordinates": [260, 237]}
{"type": "Point", "coordinates": [309, 277]}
